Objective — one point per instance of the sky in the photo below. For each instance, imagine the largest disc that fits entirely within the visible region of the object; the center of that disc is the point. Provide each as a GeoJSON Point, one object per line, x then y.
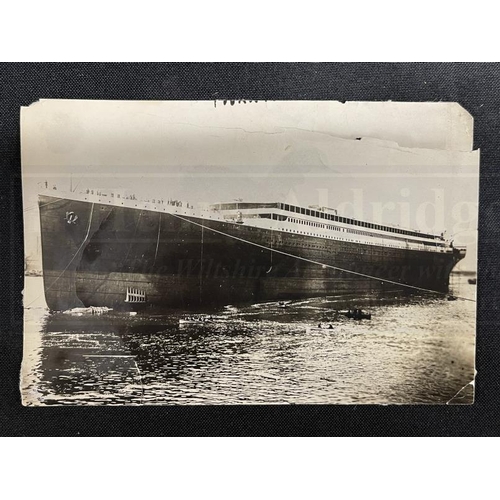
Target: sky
{"type": "Point", "coordinates": [406, 164]}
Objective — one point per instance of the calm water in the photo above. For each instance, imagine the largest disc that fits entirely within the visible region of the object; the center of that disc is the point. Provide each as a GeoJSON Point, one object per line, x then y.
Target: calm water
{"type": "Point", "coordinates": [414, 352]}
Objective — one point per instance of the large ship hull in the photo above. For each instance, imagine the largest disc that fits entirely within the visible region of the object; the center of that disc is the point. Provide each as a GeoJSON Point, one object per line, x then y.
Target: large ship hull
{"type": "Point", "coordinates": [96, 253]}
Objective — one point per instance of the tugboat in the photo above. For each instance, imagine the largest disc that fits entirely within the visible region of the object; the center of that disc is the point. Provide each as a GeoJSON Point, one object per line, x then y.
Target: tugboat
{"type": "Point", "coordinates": [200, 320]}
{"type": "Point", "coordinates": [195, 320]}
{"type": "Point", "coordinates": [472, 281]}
{"type": "Point", "coordinates": [357, 314]}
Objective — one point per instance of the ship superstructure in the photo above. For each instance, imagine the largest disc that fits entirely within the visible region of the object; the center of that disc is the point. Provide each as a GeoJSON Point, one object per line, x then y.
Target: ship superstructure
{"type": "Point", "coordinates": [323, 222]}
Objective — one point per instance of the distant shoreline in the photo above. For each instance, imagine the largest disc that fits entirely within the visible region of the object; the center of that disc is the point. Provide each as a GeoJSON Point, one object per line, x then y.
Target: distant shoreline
{"type": "Point", "coordinates": [33, 273]}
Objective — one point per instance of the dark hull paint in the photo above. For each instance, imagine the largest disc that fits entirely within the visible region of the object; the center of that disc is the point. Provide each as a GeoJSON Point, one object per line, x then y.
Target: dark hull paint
{"type": "Point", "coordinates": [179, 264]}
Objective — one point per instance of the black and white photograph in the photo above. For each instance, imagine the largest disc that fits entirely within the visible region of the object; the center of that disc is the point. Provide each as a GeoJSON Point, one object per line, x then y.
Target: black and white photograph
{"type": "Point", "coordinates": [248, 252]}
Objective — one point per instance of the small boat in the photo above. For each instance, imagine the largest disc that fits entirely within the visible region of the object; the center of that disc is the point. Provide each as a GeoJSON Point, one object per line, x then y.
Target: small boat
{"type": "Point", "coordinates": [194, 321]}
{"type": "Point", "coordinates": [451, 297]}
{"type": "Point", "coordinates": [357, 314]}
{"type": "Point", "coordinates": [200, 320]}
{"type": "Point", "coordinates": [282, 304]}
{"type": "Point", "coordinates": [472, 281]}
{"type": "Point", "coordinates": [321, 326]}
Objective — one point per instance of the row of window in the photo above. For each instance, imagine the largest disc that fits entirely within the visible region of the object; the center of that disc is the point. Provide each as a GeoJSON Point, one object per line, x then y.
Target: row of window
{"type": "Point", "coordinates": [345, 220]}
{"type": "Point", "coordinates": [344, 248]}
{"type": "Point", "coordinates": [316, 224]}
{"type": "Point", "coordinates": [421, 245]}
{"type": "Point", "coordinates": [341, 229]}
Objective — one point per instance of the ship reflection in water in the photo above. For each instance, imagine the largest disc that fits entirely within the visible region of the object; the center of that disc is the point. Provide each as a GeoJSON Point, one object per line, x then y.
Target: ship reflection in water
{"type": "Point", "coordinates": [421, 351]}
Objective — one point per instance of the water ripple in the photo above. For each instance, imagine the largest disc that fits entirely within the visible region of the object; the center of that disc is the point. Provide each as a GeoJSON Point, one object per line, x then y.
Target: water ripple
{"type": "Point", "coordinates": [416, 352]}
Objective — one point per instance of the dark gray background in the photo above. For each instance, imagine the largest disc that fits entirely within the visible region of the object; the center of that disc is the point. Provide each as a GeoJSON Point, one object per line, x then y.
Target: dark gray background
{"type": "Point", "coordinates": [474, 85]}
